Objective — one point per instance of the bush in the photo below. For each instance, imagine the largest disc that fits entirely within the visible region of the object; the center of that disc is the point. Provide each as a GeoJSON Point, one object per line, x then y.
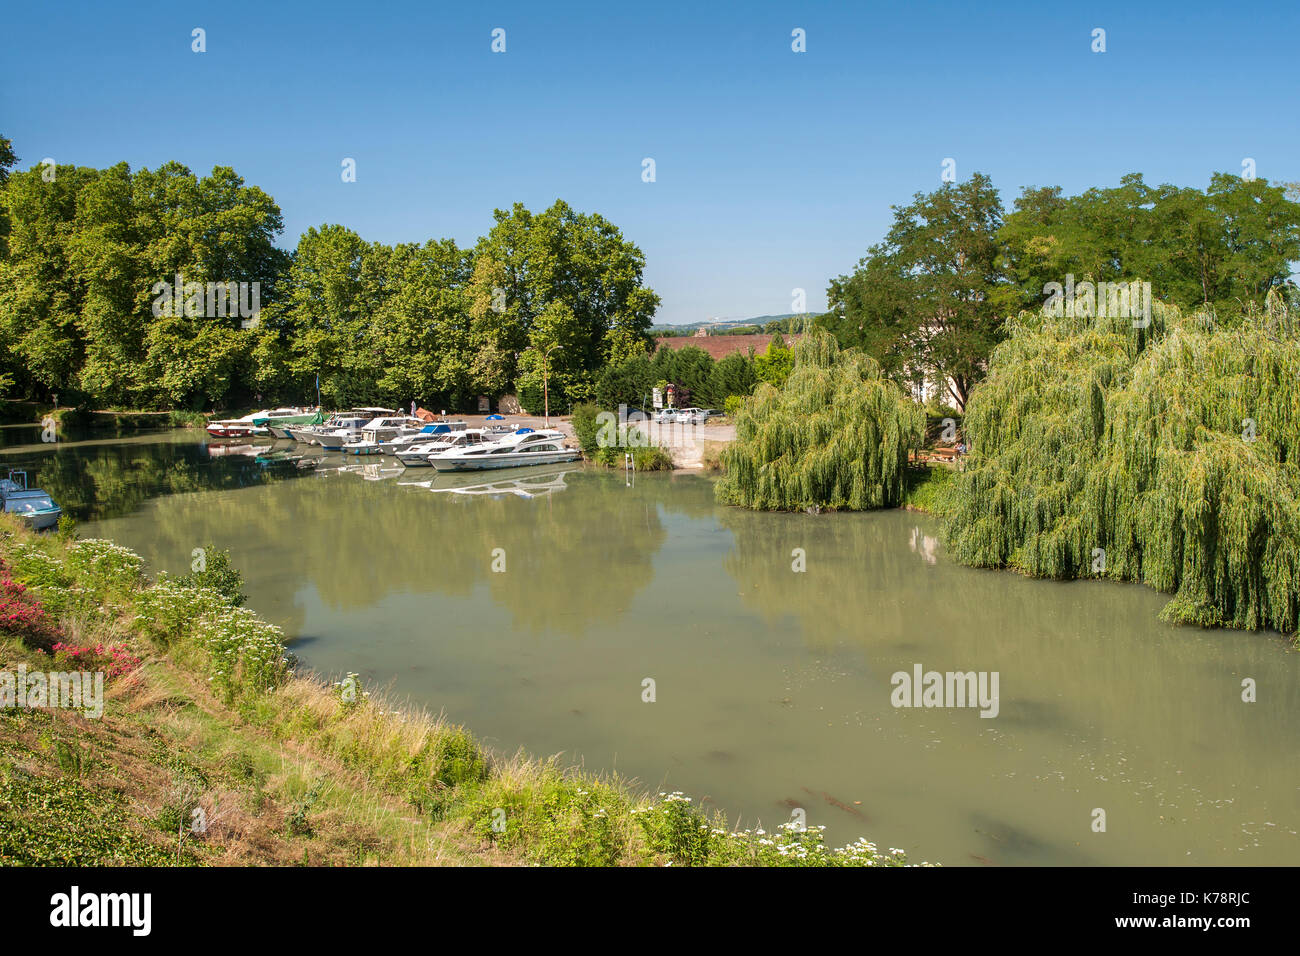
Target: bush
{"type": "Point", "coordinates": [22, 614]}
{"type": "Point", "coordinates": [585, 427]}
{"type": "Point", "coordinates": [216, 573]}
{"type": "Point", "coordinates": [929, 489]}
{"type": "Point", "coordinates": [644, 458]}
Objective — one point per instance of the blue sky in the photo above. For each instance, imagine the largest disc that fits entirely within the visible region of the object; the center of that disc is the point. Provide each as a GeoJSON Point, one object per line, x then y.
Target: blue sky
{"type": "Point", "coordinates": [775, 170]}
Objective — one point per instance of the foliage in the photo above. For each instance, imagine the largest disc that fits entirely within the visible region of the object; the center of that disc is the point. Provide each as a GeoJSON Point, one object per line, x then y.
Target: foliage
{"type": "Point", "coordinates": [1221, 248]}
{"type": "Point", "coordinates": [585, 427]}
{"type": "Point", "coordinates": [929, 300]}
{"type": "Point", "coordinates": [644, 457]}
{"type": "Point", "coordinates": [736, 374]}
{"type": "Point", "coordinates": [114, 660]}
{"type": "Point", "coordinates": [837, 435]}
{"type": "Point", "coordinates": [774, 365]}
{"type": "Point", "coordinates": [929, 489]}
{"type": "Point", "coordinates": [216, 573]}
{"type": "Point", "coordinates": [22, 614]}
{"type": "Point", "coordinates": [81, 312]}
{"type": "Point", "coordinates": [62, 822]}
{"type": "Point", "coordinates": [1166, 455]}
{"type": "Point", "coordinates": [79, 308]}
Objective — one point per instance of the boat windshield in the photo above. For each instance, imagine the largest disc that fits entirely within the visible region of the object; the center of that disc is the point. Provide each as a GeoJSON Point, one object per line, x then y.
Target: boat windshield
{"type": "Point", "coordinates": [29, 505]}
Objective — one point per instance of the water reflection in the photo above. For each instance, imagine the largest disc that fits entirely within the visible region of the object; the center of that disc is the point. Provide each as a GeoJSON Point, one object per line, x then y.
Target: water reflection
{"type": "Point", "coordinates": [773, 683]}
{"type": "Point", "coordinates": [524, 483]}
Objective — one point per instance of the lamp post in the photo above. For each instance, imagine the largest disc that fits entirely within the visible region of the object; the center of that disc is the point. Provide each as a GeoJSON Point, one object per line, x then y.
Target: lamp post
{"type": "Point", "coordinates": [546, 393]}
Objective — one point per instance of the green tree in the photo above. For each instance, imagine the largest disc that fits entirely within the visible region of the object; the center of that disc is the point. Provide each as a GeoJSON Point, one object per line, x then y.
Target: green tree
{"type": "Point", "coordinates": [1222, 248]}
{"type": "Point", "coordinates": [930, 297]}
{"type": "Point", "coordinates": [774, 365]}
{"type": "Point", "coordinates": [732, 374]}
{"type": "Point", "coordinates": [562, 256]}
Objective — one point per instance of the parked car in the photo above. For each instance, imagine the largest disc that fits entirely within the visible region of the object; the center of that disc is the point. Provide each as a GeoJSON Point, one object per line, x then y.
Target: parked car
{"type": "Point", "coordinates": [697, 416]}
{"type": "Point", "coordinates": [666, 416]}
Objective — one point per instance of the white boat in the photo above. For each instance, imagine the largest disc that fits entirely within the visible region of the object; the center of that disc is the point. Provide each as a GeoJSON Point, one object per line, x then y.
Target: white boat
{"type": "Point", "coordinates": [33, 505]}
{"type": "Point", "coordinates": [417, 456]}
{"type": "Point", "coordinates": [380, 431]}
{"type": "Point", "coordinates": [519, 450]}
{"type": "Point", "coordinates": [254, 424]}
{"type": "Point", "coordinates": [430, 432]}
{"type": "Point", "coordinates": [344, 430]}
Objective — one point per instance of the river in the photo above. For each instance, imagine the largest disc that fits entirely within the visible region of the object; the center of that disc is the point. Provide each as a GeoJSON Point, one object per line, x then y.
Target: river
{"type": "Point", "coordinates": [772, 687]}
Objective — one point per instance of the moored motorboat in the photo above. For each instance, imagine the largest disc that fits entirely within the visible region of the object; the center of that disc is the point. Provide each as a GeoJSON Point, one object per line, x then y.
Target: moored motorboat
{"type": "Point", "coordinates": [417, 456]}
{"type": "Point", "coordinates": [256, 423]}
{"type": "Point", "coordinates": [380, 430]}
{"type": "Point", "coordinates": [518, 450]}
{"type": "Point", "coordinates": [33, 505]}
{"type": "Point", "coordinates": [428, 433]}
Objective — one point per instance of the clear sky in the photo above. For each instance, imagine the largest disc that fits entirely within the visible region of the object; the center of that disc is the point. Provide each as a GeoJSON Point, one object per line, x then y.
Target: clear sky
{"type": "Point", "coordinates": [775, 170]}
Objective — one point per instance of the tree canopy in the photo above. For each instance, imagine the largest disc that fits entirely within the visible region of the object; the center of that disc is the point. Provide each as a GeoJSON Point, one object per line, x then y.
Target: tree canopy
{"type": "Point", "coordinates": [835, 435]}
{"type": "Point", "coordinates": [931, 300]}
{"type": "Point", "coordinates": [87, 249]}
{"type": "Point", "coordinates": [926, 300]}
{"type": "Point", "coordinates": [1166, 455]}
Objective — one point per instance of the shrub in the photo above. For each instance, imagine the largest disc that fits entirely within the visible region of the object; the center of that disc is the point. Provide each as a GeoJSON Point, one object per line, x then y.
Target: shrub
{"type": "Point", "coordinates": [215, 572]}
{"type": "Point", "coordinates": [22, 614]}
{"type": "Point", "coordinates": [585, 427]}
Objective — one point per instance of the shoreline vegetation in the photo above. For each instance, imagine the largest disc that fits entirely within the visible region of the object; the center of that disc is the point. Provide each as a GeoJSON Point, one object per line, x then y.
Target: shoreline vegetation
{"type": "Point", "coordinates": [213, 749]}
{"type": "Point", "coordinates": [116, 419]}
{"type": "Point", "coordinates": [1162, 453]}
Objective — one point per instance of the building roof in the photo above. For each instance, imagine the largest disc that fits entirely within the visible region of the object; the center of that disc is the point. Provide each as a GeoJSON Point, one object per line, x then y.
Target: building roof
{"type": "Point", "coordinates": [721, 345]}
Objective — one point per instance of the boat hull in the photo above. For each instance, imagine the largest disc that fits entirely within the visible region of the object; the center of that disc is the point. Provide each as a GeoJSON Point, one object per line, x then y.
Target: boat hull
{"type": "Point", "coordinates": [495, 462]}
{"type": "Point", "coordinates": [230, 431]}
{"type": "Point", "coordinates": [43, 520]}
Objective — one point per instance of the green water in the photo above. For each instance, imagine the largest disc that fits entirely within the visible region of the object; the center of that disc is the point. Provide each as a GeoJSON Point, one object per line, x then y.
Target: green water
{"type": "Point", "coordinates": [772, 687]}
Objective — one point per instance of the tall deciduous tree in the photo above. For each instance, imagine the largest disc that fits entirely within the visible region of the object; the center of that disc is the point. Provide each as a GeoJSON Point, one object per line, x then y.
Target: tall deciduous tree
{"type": "Point", "coordinates": [1221, 248]}
{"type": "Point", "coordinates": [930, 298]}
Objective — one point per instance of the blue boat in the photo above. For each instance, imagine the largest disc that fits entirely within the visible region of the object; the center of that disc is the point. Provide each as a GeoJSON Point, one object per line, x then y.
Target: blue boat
{"type": "Point", "coordinates": [33, 505]}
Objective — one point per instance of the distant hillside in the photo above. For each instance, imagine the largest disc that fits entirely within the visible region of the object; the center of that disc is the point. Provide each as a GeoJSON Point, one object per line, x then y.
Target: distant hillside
{"type": "Point", "coordinates": [723, 326]}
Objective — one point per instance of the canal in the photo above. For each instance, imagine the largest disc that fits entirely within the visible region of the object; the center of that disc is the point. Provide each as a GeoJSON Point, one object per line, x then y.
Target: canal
{"type": "Point", "coordinates": [534, 607]}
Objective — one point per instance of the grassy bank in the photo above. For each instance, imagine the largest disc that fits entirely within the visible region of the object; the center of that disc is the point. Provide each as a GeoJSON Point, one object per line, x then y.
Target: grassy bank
{"type": "Point", "coordinates": [928, 488]}
{"type": "Point", "coordinates": [213, 748]}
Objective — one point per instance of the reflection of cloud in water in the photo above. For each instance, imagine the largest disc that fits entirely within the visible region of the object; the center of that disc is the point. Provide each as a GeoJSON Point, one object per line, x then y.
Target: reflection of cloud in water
{"type": "Point", "coordinates": [925, 545]}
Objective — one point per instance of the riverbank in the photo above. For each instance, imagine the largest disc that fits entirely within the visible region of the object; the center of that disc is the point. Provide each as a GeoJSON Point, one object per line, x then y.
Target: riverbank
{"type": "Point", "coordinates": [212, 748]}
{"type": "Point", "coordinates": [116, 421]}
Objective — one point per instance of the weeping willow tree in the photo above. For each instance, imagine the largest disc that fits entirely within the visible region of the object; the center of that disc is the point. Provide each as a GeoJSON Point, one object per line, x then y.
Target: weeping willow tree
{"type": "Point", "coordinates": [835, 435]}
{"type": "Point", "coordinates": [1168, 455]}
